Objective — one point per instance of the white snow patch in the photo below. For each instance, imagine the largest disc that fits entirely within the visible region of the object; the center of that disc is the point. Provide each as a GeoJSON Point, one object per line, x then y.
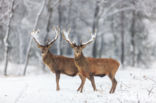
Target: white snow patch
{"type": "Point", "coordinates": [134, 86]}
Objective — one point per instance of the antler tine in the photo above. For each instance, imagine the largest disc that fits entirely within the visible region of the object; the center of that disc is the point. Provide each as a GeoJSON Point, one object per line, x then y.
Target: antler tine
{"type": "Point", "coordinates": [57, 31]}
{"type": "Point", "coordinates": [33, 33]}
{"type": "Point", "coordinates": [66, 36]}
{"type": "Point", "coordinates": [93, 36]}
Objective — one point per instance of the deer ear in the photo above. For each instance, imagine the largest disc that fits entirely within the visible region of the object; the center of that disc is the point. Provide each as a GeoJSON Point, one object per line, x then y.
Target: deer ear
{"type": "Point", "coordinates": [38, 45]}
{"type": "Point", "coordinates": [72, 45]}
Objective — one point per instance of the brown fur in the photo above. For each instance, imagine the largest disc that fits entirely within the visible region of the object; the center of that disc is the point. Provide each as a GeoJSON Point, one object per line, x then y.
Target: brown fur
{"type": "Point", "coordinates": [60, 64]}
{"type": "Point", "coordinates": [89, 67]}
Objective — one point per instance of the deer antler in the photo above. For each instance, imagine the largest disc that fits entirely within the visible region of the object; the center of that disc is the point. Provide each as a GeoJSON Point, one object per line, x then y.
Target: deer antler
{"type": "Point", "coordinates": [33, 33]}
{"type": "Point", "coordinates": [57, 32]}
{"type": "Point", "coordinates": [93, 36]}
{"type": "Point", "coordinates": [66, 36]}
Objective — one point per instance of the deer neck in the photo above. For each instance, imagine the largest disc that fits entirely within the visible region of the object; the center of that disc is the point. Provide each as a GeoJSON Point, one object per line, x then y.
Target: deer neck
{"type": "Point", "coordinates": [82, 64]}
{"type": "Point", "coordinates": [81, 59]}
{"type": "Point", "coordinates": [48, 57]}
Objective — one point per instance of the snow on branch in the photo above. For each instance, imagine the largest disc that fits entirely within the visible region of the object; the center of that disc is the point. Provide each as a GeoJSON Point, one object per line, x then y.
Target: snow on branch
{"type": "Point", "coordinates": [120, 10]}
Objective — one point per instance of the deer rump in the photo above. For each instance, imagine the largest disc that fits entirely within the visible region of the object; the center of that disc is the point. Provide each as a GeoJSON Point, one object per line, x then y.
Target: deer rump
{"type": "Point", "coordinates": [103, 66]}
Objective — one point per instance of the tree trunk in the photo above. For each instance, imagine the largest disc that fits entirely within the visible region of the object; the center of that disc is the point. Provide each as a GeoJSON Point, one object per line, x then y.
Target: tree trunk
{"type": "Point", "coordinates": [94, 27]}
{"type": "Point", "coordinates": [133, 38]}
{"type": "Point", "coordinates": [30, 42]}
{"type": "Point", "coordinates": [122, 38]}
{"type": "Point", "coordinates": [59, 48]}
{"type": "Point", "coordinates": [101, 47]}
{"type": "Point", "coordinates": [133, 35]}
{"type": "Point", "coordinates": [20, 48]}
{"type": "Point", "coordinates": [6, 38]}
{"type": "Point", "coordinates": [50, 12]}
{"type": "Point", "coordinates": [70, 20]}
{"type": "Point", "coordinates": [69, 13]}
{"type": "Point", "coordinates": [115, 44]}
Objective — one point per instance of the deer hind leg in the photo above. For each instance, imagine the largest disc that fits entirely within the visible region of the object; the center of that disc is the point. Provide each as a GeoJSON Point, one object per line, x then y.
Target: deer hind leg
{"type": "Point", "coordinates": [57, 81]}
{"type": "Point", "coordinates": [114, 83]}
{"type": "Point", "coordinates": [83, 79]}
{"type": "Point", "coordinates": [91, 78]}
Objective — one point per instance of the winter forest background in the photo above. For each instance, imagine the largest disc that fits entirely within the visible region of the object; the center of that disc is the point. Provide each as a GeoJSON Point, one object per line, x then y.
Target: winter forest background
{"type": "Point", "coordinates": [125, 31]}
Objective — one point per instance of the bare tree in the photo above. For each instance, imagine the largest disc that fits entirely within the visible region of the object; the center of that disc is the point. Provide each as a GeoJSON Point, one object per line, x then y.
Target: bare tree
{"type": "Point", "coordinates": [114, 34]}
{"type": "Point", "coordinates": [50, 14]}
{"type": "Point", "coordinates": [30, 41]}
{"type": "Point", "coordinates": [50, 11]}
{"type": "Point", "coordinates": [96, 14]}
{"type": "Point", "coordinates": [102, 12]}
{"type": "Point", "coordinates": [59, 49]}
{"type": "Point", "coordinates": [6, 43]}
{"type": "Point", "coordinates": [133, 34]}
{"type": "Point", "coordinates": [95, 26]}
{"type": "Point", "coordinates": [122, 18]}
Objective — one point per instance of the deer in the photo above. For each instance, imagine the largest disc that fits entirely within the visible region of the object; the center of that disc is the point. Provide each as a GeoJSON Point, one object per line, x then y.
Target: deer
{"type": "Point", "coordinates": [90, 67]}
{"type": "Point", "coordinates": [57, 64]}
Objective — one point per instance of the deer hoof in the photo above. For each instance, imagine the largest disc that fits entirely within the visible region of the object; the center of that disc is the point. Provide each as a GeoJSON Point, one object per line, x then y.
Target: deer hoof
{"type": "Point", "coordinates": [58, 89]}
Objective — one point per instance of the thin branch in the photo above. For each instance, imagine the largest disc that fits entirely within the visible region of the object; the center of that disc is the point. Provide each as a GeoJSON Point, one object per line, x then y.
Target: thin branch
{"type": "Point", "coordinates": [110, 7]}
{"type": "Point", "coordinates": [117, 11]}
{"type": "Point", "coordinates": [55, 4]}
{"type": "Point", "coordinates": [150, 91]}
{"type": "Point", "coordinates": [120, 10]}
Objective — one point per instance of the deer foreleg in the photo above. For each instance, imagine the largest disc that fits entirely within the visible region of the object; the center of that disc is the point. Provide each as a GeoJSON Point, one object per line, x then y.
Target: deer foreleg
{"type": "Point", "coordinates": [91, 78]}
{"type": "Point", "coordinates": [83, 79]}
{"type": "Point", "coordinates": [57, 81]}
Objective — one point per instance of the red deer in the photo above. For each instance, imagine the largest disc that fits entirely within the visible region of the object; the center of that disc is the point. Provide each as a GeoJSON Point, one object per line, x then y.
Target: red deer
{"type": "Point", "coordinates": [90, 67]}
{"type": "Point", "coordinates": [57, 64]}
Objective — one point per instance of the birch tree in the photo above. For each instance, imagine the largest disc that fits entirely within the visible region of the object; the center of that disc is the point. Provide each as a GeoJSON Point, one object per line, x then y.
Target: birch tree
{"type": "Point", "coordinates": [95, 26]}
{"type": "Point", "coordinates": [59, 45]}
{"type": "Point", "coordinates": [30, 41]}
{"type": "Point", "coordinates": [6, 41]}
{"type": "Point", "coordinates": [122, 58]}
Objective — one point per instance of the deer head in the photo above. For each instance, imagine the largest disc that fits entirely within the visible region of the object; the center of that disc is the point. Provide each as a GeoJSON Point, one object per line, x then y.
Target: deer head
{"type": "Point", "coordinates": [77, 48]}
{"type": "Point", "coordinates": [45, 47]}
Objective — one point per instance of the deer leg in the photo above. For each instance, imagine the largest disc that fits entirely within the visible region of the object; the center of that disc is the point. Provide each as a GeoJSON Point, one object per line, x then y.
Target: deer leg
{"type": "Point", "coordinates": [114, 83]}
{"type": "Point", "coordinates": [57, 81]}
{"type": "Point", "coordinates": [91, 78]}
{"type": "Point", "coordinates": [82, 83]}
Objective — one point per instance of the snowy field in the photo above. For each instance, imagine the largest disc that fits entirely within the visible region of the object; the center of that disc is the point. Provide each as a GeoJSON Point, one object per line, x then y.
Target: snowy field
{"type": "Point", "coordinates": [134, 86]}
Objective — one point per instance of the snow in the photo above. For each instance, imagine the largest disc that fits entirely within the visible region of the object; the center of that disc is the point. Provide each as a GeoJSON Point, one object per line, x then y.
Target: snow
{"type": "Point", "coordinates": [135, 85]}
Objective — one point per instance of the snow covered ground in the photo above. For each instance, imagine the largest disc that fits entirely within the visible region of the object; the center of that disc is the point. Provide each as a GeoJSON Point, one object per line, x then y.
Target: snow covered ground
{"type": "Point", "coordinates": [134, 86]}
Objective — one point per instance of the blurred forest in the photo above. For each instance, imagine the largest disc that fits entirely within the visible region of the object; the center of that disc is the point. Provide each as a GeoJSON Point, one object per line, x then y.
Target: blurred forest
{"type": "Point", "coordinates": [123, 29]}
